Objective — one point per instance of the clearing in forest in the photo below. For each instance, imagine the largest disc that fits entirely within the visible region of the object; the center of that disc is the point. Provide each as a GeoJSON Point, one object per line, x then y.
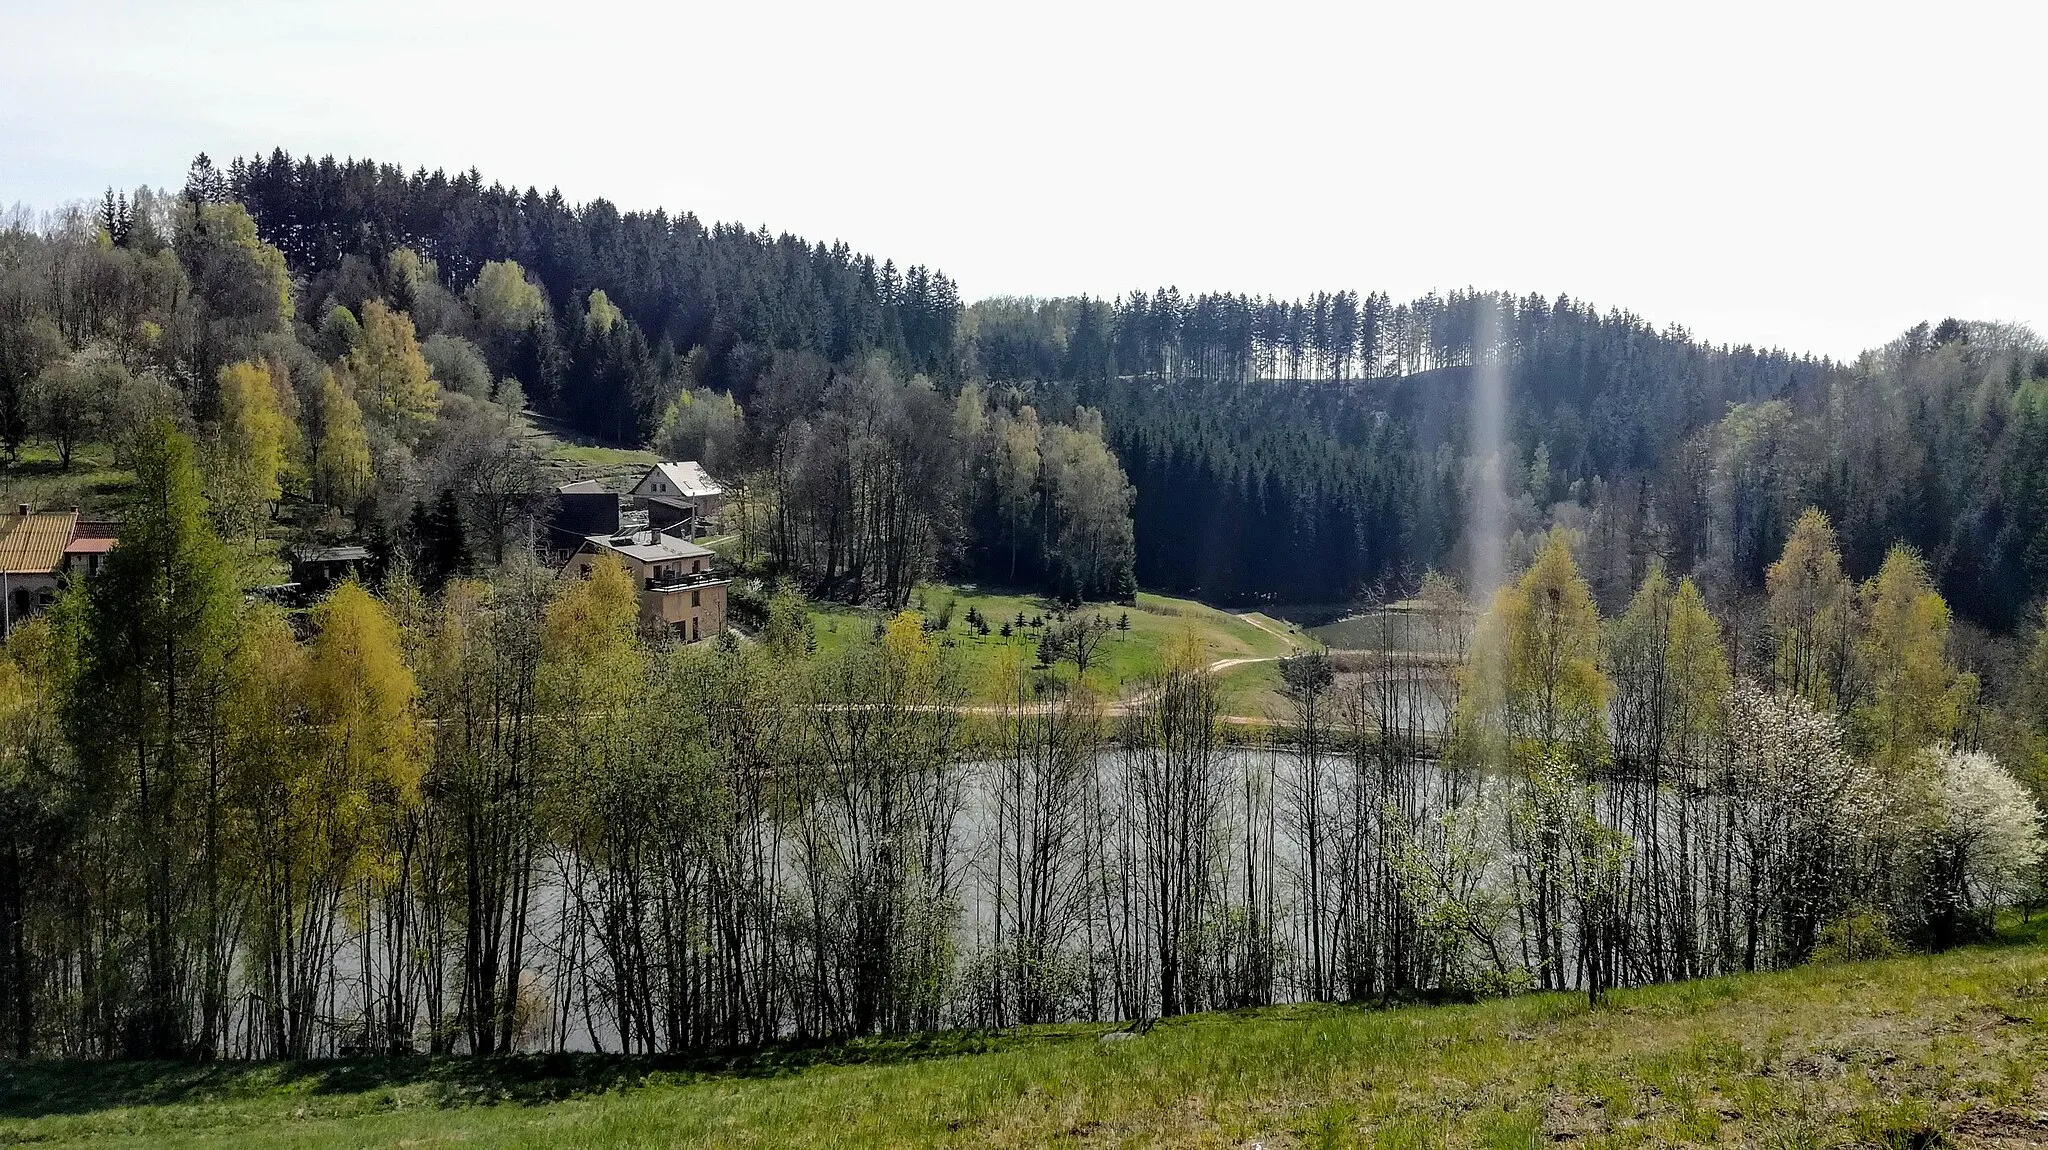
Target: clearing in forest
{"type": "Point", "coordinates": [1241, 649]}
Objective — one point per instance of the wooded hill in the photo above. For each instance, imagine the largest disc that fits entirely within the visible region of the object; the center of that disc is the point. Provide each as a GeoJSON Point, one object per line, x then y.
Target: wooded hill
{"type": "Point", "coordinates": [1345, 469]}
{"type": "Point", "coordinates": [477, 806]}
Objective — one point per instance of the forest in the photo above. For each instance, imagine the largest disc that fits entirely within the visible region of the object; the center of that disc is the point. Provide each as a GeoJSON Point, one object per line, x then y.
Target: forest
{"type": "Point", "coordinates": [380, 396]}
{"type": "Point", "coordinates": [1290, 452]}
{"type": "Point", "coordinates": [1718, 715]}
{"type": "Point", "coordinates": [501, 817]}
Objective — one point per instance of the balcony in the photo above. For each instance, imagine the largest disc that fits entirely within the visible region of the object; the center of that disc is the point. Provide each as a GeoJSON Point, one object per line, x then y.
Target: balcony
{"type": "Point", "coordinates": [684, 582]}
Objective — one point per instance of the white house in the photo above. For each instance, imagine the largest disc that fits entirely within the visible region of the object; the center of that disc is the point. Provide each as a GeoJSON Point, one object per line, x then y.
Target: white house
{"type": "Point", "coordinates": [681, 498]}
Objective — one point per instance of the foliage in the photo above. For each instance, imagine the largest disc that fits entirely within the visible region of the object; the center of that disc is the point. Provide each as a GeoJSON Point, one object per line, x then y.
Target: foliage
{"type": "Point", "coordinates": [1534, 684]}
{"type": "Point", "coordinates": [506, 302]}
{"type": "Point", "coordinates": [457, 365]}
{"type": "Point", "coordinates": [245, 454]}
{"type": "Point", "coordinates": [1811, 613]}
{"type": "Point", "coordinates": [242, 281]}
{"type": "Point", "coordinates": [702, 425]}
{"type": "Point", "coordinates": [1911, 696]}
{"type": "Point", "coordinates": [340, 333]}
{"type": "Point", "coordinates": [1670, 671]}
{"type": "Point", "coordinates": [1857, 935]}
{"type": "Point", "coordinates": [1976, 845]}
{"type": "Point", "coordinates": [70, 401]}
{"type": "Point", "coordinates": [390, 376]}
{"type": "Point", "coordinates": [157, 631]}
{"type": "Point", "coordinates": [1805, 817]}
{"type": "Point", "coordinates": [341, 456]}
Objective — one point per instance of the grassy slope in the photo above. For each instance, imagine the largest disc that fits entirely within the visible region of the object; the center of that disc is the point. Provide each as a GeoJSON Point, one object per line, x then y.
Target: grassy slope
{"type": "Point", "coordinates": [1127, 657]}
{"type": "Point", "coordinates": [590, 455]}
{"type": "Point", "coordinates": [93, 484]}
{"type": "Point", "coordinates": [1907, 1052]}
{"type": "Point", "coordinates": [99, 489]}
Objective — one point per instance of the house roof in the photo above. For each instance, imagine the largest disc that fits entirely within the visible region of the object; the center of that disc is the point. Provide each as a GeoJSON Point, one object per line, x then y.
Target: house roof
{"type": "Point", "coordinates": [33, 542]}
{"type": "Point", "coordinates": [92, 537]}
{"type": "Point", "coordinates": [650, 547]}
{"type": "Point", "coordinates": [582, 487]}
{"type": "Point", "coordinates": [346, 553]}
{"type": "Point", "coordinates": [688, 480]}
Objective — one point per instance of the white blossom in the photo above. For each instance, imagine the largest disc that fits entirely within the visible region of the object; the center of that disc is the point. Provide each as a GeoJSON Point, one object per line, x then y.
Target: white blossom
{"type": "Point", "coordinates": [1984, 825]}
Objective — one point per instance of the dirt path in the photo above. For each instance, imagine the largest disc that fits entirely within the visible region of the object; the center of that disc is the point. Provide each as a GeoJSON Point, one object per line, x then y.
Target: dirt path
{"type": "Point", "coordinates": [1293, 642]}
{"type": "Point", "coordinates": [1216, 667]}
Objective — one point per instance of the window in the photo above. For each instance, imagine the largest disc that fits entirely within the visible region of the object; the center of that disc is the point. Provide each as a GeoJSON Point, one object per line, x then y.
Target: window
{"type": "Point", "coordinates": [696, 565]}
{"type": "Point", "coordinates": [693, 629]}
{"type": "Point", "coordinates": [695, 601]}
{"type": "Point", "coordinates": [586, 571]}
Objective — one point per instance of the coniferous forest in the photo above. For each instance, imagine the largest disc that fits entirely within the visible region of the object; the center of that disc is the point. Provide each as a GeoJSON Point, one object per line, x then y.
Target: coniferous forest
{"type": "Point", "coordinates": [1763, 677]}
{"type": "Point", "coordinates": [1291, 451]}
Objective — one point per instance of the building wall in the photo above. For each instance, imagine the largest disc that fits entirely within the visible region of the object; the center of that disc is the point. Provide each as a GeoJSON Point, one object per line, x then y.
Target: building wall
{"type": "Point", "coordinates": [693, 612]}
{"type": "Point", "coordinates": [707, 618]}
{"type": "Point", "coordinates": [27, 595]}
{"type": "Point", "coordinates": [581, 513]}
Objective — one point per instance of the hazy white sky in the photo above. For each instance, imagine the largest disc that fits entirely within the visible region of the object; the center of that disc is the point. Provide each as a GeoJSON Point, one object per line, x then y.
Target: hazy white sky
{"type": "Point", "coordinates": [1819, 176]}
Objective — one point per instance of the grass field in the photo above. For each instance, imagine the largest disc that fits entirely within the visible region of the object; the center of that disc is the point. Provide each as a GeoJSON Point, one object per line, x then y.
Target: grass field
{"type": "Point", "coordinates": [1128, 656]}
{"type": "Point", "coordinates": [93, 484]}
{"type": "Point", "coordinates": [590, 455]}
{"type": "Point", "coordinates": [1950, 1050]}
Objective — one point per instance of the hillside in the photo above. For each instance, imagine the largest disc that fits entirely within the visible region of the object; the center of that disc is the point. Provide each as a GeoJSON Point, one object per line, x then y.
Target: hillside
{"type": "Point", "coordinates": [1242, 648]}
{"type": "Point", "coordinates": [1924, 1051]}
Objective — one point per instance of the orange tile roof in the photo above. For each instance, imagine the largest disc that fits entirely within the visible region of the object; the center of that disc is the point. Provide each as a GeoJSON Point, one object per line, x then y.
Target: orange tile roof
{"type": "Point", "coordinates": [33, 544]}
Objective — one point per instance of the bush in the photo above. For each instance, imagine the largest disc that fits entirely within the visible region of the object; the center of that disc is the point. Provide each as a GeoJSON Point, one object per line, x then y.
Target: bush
{"type": "Point", "coordinates": [1977, 847]}
{"type": "Point", "coordinates": [746, 604]}
{"type": "Point", "coordinates": [1859, 934]}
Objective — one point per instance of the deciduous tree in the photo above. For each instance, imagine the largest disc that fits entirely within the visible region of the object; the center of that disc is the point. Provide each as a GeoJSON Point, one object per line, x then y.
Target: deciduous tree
{"type": "Point", "coordinates": [392, 382]}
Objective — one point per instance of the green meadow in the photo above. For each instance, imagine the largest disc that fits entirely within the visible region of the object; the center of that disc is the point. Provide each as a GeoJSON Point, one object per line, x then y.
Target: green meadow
{"type": "Point", "coordinates": [1923, 1051]}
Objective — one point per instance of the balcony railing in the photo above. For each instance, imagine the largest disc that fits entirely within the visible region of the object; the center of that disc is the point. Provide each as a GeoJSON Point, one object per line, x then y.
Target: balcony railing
{"type": "Point", "coordinates": [686, 582]}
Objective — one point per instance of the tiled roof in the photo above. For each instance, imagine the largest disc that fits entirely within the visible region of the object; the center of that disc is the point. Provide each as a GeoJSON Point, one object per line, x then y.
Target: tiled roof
{"type": "Point", "coordinates": [34, 543]}
{"type": "Point", "coordinates": [92, 537]}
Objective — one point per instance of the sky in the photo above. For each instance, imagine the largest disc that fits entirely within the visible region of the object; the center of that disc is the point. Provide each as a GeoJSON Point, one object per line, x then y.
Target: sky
{"type": "Point", "coordinates": [1812, 176]}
